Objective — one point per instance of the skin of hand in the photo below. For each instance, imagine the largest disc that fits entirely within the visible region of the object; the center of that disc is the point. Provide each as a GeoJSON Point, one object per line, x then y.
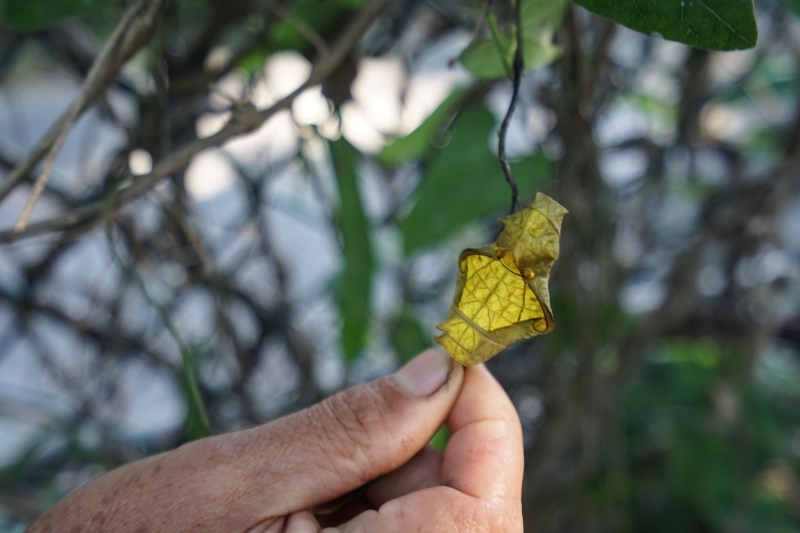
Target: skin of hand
{"type": "Point", "coordinates": [265, 479]}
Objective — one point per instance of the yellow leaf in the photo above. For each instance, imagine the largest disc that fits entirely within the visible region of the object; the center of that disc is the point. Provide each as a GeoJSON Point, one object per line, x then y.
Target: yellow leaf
{"type": "Point", "coordinates": [502, 295]}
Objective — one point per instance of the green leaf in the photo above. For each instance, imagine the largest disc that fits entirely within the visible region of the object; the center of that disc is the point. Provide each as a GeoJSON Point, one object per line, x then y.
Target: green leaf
{"type": "Point", "coordinates": [712, 24]}
{"type": "Point", "coordinates": [465, 182]}
{"type": "Point", "coordinates": [419, 142]}
{"type": "Point", "coordinates": [701, 352]}
{"type": "Point", "coordinates": [482, 58]}
{"type": "Point", "coordinates": [408, 336]}
{"type": "Point", "coordinates": [540, 18]}
{"type": "Point", "coordinates": [196, 424]}
{"type": "Point", "coordinates": [35, 14]}
{"type": "Point", "coordinates": [354, 297]}
{"type": "Point", "coordinates": [541, 15]}
{"type": "Point", "coordinates": [325, 18]}
{"type": "Point", "coordinates": [793, 5]}
{"type": "Point", "coordinates": [440, 439]}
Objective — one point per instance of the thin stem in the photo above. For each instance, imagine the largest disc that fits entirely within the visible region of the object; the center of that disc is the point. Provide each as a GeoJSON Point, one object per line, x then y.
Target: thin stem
{"type": "Point", "coordinates": [246, 118]}
{"type": "Point", "coordinates": [479, 21]}
{"type": "Point", "coordinates": [300, 25]}
{"type": "Point", "coordinates": [130, 35]}
{"type": "Point", "coordinates": [498, 40]}
{"type": "Point", "coordinates": [518, 67]}
{"type": "Point", "coordinates": [195, 399]}
{"type": "Point", "coordinates": [47, 168]}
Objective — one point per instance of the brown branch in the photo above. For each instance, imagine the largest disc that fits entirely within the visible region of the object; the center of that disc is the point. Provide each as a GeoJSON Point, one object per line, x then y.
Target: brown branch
{"type": "Point", "coordinates": [177, 210]}
{"type": "Point", "coordinates": [246, 118]}
{"type": "Point", "coordinates": [130, 35]}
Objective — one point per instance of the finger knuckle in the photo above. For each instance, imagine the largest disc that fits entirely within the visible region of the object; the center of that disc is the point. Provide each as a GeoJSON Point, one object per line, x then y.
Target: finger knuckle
{"type": "Point", "coordinates": [354, 416]}
{"type": "Point", "coordinates": [349, 424]}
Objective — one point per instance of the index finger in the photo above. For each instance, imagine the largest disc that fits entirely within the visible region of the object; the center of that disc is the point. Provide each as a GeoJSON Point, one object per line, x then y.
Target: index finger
{"type": "Point", "coordinates": [484, 457]}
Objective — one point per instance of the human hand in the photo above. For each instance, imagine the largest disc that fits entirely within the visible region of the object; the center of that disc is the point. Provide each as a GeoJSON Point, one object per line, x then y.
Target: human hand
{"type": "Point", "coordinates": [266, 478]}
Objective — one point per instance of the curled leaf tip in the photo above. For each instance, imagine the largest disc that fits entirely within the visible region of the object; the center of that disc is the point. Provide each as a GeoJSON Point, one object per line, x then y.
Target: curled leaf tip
{"type": "Point", "coordinates": [502, 294]}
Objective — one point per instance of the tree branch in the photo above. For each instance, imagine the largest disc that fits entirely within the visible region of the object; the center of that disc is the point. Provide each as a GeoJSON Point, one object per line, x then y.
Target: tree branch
{"type": "Point", "coordinates": [131, 34]}
{"type": "Point", "coordinates": [246, 118]}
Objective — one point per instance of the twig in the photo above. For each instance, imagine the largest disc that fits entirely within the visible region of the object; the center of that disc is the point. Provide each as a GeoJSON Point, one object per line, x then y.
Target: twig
{"type": "Point", "coordinates": [245, 119]}
{"type": "Point", "coordinates": [300, 25]}
{"type": "Point", "coordinates": [178, 211]}
{"type": "Point", "coordinates": [130, 35]}
{"type": "Point", "coordinates": [479, 21]}
{"type": "Point", "coordinates": [47, 168]}
{"type": "Point", "coordinates": [519, 66]}
{"type": "Point", "coordinates": [498, 41]}
{"type": "Point", "coordinates": [195, 398]}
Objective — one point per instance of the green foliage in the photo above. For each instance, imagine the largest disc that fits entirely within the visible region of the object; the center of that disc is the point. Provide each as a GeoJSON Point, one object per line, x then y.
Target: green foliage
{"type": "Point", "coordinates": [492, 58]}
{"type": "Point", "coordinates": [354, 298]}
{"type": "Point", "coordinates": [793, 5]}
{"type": "Point", "coordinates": [699, 447]}
{"type": "Point", "coordinates": [36, 14]}
{"type": "Point", "coordinates": [701, 352]}
{"type": "Point", "coordinates": [484, 60]}
{"type": "Point", "coordinates": [408, 335]}
{"type": "Point", "coordinates": [440, 439]}
{"type": "Point", "coordinates": [420, 142]}
{"type": "Point", "coordinates": [695, 439]}
{"type": "Point", "coordinates": [322, 17]}
{"type": "Point", "coordinates": [465, 181]}
{"type": "Point", "coordinates": [196, 426]}
{"type": "Point", "coordinates": [712, 24]}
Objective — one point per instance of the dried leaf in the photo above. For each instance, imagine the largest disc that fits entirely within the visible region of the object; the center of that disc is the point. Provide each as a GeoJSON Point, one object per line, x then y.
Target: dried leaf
{"type": "Point", "coordinates": [502, 295]}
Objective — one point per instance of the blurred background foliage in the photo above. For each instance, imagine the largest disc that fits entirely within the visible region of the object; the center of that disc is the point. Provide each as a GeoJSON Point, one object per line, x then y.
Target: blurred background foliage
{"type": "Point", "coordinates": [261, 254]}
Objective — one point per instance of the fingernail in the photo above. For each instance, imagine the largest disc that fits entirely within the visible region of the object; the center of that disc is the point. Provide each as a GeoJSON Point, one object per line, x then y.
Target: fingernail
{"type": "Point", "coordinates": [425, 374]}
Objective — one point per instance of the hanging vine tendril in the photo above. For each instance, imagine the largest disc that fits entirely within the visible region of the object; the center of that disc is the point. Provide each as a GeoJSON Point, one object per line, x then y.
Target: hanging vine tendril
{"type": "Point", "coordinates": [517, 68]}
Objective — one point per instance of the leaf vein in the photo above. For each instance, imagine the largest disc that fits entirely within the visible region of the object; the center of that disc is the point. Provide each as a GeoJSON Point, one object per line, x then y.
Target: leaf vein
{"type": "Point", "coordinates": [723, 21]}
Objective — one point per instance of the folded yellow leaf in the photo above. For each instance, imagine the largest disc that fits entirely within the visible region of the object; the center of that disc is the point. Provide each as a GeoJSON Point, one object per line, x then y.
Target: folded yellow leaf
{"type": "Point", "coordinates": [502, 295]}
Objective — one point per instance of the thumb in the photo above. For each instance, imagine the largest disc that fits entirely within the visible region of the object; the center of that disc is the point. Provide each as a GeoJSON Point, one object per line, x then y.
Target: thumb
{"type": "Point", "coordinates": [334, 447]}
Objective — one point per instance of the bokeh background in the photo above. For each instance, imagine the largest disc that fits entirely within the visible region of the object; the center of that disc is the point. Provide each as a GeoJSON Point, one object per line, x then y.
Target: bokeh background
{"type": "Point", "coordinates": [268, 270]}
